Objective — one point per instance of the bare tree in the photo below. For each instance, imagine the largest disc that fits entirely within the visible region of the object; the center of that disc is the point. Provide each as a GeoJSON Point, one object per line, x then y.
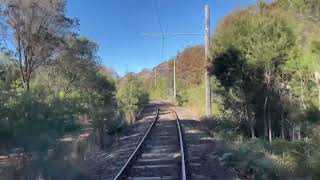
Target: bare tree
{"type": "Point", "coordinates": [36, 29]}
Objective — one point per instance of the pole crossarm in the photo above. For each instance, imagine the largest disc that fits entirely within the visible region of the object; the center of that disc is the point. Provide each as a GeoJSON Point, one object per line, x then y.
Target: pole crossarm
{"type": "Point", "coordinates": [146, 76]}
{"type": "Point", "coordinates": [161, 35]}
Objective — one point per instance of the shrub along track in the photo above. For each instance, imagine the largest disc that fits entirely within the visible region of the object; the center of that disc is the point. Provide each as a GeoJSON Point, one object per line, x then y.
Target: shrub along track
{"type": "Point", "coordinates": [160, 154]}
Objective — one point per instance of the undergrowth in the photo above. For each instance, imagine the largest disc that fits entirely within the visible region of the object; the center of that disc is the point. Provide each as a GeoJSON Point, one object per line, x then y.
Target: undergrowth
{"type": "Point", "coordinates": [257, 159]}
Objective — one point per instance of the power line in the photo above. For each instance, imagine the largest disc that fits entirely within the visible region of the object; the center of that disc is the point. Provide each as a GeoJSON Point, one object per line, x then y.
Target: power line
{"type": "Point", "coordinates": [167, 35]}
{"type": "Point", "coordinates": [156, 8]}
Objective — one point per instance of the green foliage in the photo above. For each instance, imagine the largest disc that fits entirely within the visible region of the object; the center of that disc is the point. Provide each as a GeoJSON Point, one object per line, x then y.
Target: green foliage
{"type": "Point", "coordinates": [265, 76]}
{"type": "Point", "coordinates": [257, 159]}
{"type": "Point", "coordinates": [221, 128]}
{"type": "Point", "coordinates": [28, 118]}
{"type": "Point", "coordinates": [55, 100]}
{"type": "Point", "coordinates": [51, 85]}
{"type": "Point", "coordinates": [161, 90]}
{"type": "Point", "coordinates": [191, 97]}
{"type": "Point", "coordinates": [131, 96]}
{"type": "Point", "coordinates": [37, 37]}
{"type": "Point", "coordinates": [268, 50]}
{"type": "Point", "coordinates": [314, 164]}
{"type": "Point", "coordinates": [261, 63]}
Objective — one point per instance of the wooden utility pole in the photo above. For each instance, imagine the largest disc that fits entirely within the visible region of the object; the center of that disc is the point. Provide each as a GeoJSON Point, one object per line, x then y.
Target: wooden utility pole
{"type": "Point", "coordinates": [174, 80]}
{"type": "Point", "coordinates": [207, 59]}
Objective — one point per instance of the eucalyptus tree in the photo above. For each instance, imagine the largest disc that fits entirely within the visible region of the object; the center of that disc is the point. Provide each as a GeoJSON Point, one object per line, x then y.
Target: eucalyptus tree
{"type": "Point", "coordinates": [36, 29]}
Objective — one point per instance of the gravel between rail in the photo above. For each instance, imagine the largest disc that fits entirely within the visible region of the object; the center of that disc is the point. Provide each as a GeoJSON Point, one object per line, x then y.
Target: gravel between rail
{"type": "Point", "coordinates": [202, 151]}
{"type": "Point", "coordinates": [160, 156]}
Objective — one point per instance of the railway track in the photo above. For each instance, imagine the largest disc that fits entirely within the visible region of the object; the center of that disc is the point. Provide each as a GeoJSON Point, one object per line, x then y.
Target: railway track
{"type": "Point", "coordinates": [160, 153]}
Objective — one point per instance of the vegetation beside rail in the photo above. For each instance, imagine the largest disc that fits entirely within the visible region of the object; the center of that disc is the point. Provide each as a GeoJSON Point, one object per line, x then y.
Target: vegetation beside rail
{"type": "Point", "coordinates": [53, 87]}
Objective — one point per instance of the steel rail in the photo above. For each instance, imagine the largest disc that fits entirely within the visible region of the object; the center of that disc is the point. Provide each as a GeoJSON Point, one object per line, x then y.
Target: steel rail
{"type": "Point", "coordinates": [126, 165]}
{"type": "Point", "coordinates": [183, 162]}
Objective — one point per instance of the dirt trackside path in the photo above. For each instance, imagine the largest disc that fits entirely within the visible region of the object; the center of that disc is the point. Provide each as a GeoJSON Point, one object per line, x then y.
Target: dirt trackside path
{"type": "Point", "coordinates": [202, 151]}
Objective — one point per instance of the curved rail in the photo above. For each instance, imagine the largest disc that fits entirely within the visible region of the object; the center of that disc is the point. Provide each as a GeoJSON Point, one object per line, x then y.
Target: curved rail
{"type": "Point", "coordinates": [125, 166]}
{"type": "Point", "coordinates": [183, 162]}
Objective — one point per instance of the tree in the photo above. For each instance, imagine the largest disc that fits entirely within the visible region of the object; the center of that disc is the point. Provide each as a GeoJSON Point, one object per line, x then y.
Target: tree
{"type": "Point", "coordinates": [189, 65]}
{"type": "Point", "coordinates": [237, 77]}
{"type": "Point", "coordinates": [36, 29]}
{"type": "Point", "coordinates": [77, 63]}
{"type": "Point", "coordinates": [271, 40]}
{"type": "Point", "coordinates": [102, 106]}
{"type": "Point", "coordinates": [316, 51]}
{"type": "Point", "coordinates": [263, 39]}
{"type": "Point", "coordinates": [131, 96]}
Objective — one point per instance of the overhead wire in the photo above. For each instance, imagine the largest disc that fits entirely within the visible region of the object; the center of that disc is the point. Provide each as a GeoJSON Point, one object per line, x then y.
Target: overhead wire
{"type": "Point", "coordinates": [156, 9]}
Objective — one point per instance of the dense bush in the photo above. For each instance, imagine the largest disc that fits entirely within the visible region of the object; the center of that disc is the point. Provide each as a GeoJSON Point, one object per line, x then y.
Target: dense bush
{"type": "Point", "coordinates": [132, 96]}
{"type": "Point", "coordinates": [32, 121]}
{"type": "Point", "coordinates": [34, 118]}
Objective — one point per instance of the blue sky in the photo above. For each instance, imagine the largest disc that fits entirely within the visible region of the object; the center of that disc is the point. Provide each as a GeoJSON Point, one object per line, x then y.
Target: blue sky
{"type": "Point", "coordinates": [117, 26]}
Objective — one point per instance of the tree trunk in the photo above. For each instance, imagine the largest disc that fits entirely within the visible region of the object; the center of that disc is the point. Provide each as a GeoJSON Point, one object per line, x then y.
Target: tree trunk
{"type": "Point", "coordinates": [282, 125]}
{"type": "Point", "coordinates": [319, 97]}
{"type": "Point", "coordinates": [265, 118]}
{"type": "Point", "coordinates": [132, 117]}
{"type": "Point", "coordinates": [270, 128]}
{"type": "Point", "coordinates": [299, 133]}
{"type": "Point", "coordinates": [293, 132]}
{"type": "Point", "coordinates": [101, 138]}
{"type": "Point", "coordinates": [28, 85]}
{"type": "Point", "coordinates": [302, 93]}
{"type": "Point", "coordinates": [248, 117]}
{"type": "Point", "coordinates": [251, 122]}
{"type": "Point", "coordinates": [252, 128]}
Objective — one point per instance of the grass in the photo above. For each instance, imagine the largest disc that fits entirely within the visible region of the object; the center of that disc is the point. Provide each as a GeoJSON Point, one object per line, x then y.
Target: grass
{"type": "Point", "coordinates": [194, 99]}
{"type": "Point", "coordinates": [257, 159]}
